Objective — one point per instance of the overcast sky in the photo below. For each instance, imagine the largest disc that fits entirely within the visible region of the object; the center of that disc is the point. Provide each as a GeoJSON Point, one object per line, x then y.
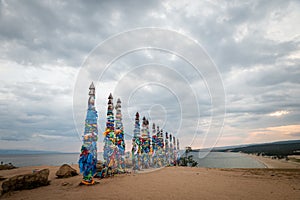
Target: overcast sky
{"type": "Point", "coordinates": [45, 45]}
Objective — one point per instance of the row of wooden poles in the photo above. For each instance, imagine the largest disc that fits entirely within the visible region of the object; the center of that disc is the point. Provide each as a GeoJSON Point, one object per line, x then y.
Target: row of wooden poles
{"type": "Point", "coordinates": [147, 151]}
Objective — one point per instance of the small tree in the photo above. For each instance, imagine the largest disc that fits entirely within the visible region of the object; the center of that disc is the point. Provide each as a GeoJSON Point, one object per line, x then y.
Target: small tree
{"type": "Point", "coordinates": [188, 161]}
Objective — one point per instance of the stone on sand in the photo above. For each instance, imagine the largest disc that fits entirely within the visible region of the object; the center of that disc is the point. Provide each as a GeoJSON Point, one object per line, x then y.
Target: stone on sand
{"type": "Point", "coordinates": [2, 178]}
{"type": "Point", "coordinates": [7, 166]}
{"type": "Point", "coordinates": [26, 181]}
{"type": "Point", "coordinates": [66, 171]}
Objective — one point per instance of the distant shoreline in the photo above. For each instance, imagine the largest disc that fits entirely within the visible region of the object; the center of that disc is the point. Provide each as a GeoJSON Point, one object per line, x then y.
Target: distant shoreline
{"type": "Point", "coordinates": [57, 159]}
{"type": "Point", "coordinates": [258, 160]}
{"type": "Point", "coordinates": [274, 163]}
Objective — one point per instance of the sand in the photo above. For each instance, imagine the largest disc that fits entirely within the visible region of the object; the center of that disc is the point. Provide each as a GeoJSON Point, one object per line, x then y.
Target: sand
{"type": "Point", "coordinates": [170, 183]}
{"type": "Point", "coordinates": [275, 163]}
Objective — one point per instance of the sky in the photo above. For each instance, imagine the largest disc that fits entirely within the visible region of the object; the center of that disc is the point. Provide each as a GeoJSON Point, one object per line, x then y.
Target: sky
{"type": "Point", "coordinates": [50, 51]}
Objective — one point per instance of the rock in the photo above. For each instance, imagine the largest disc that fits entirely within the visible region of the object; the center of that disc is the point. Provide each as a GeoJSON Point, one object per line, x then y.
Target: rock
{"type": "Point", "coordinates": [65, 184]}
{"type": "Point", "coordinates": [66, 171]}
{"type": "Point", "coordinates": [2, 178]}
{"type": "Point", "coordinates": [26, 181]}
{"type": "Point", "coordinates": [7, 166]}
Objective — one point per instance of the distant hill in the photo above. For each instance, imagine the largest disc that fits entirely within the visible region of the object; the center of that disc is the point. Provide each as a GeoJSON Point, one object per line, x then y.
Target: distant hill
{"type": "Point", "coordinates": [219, 149]}
{"type": "Point", "coordinates": [280, 148]}
{"type": "Point", "coordinates": [287, 142]}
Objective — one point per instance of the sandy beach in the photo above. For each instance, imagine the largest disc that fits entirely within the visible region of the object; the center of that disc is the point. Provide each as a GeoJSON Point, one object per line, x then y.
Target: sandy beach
{"type": "Point", "coordinates": [172, 183]}
{"type": "Point", "coordinates": [275, 163]}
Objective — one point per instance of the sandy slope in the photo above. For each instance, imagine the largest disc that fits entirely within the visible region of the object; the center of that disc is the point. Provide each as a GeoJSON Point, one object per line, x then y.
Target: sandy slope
{"type": "Point", "coordinates": [172, 183]}
{"type": "Point", "coordinates": [274, 163]}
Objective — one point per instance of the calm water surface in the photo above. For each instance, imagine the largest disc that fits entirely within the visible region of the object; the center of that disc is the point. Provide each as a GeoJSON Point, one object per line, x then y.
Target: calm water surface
{"type": "Point", "coordinates": [212, 160]}
{"type": "Point", "coordinates": [42, 159]}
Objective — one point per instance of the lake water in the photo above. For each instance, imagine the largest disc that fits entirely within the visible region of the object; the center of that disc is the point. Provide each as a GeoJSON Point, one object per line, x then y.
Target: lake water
{"type": "Point", "coordinates": [212, 160]}
{"type": "Point", "coordinates": [42, 159]}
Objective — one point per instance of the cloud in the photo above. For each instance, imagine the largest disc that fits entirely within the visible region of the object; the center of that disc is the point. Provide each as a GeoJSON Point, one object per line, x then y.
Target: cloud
{"type": "Point", "coordinates": [288, 132]}
{"type": "Point", "coordinates": [295, 134]}
{"type": "Point", "coordinates": [255, 45]}
{"type": "Point", "coordinates": [279, 113]}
